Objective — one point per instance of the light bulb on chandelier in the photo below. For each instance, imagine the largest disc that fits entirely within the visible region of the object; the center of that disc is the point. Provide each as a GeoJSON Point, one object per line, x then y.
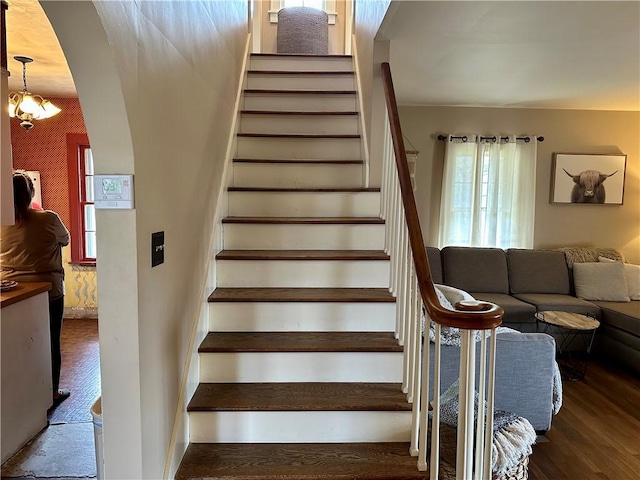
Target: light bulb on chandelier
{"type": "Point", "coordinates": [26, 106]}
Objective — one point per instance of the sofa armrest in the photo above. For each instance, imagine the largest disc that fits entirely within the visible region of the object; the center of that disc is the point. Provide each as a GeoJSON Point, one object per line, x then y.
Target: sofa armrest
{"type": "Point", "coordinates": [524, 375]}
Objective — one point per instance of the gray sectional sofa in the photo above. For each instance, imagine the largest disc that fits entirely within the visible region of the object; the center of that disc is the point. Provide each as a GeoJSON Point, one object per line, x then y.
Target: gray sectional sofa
{"type": "Point", "coordinates": [524, 281]}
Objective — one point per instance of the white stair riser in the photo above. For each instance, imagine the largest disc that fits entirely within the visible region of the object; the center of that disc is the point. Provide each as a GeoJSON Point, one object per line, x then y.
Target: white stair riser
{"type": "Point", "coordinates": [300, 102]}
{"type": "Point", "coordinates": [303, 237]}
{"type": "Point", "coordinates": [296, 175]}
{"type": "Point", "coordinates": [249, 367]}
{"type": "Point", "coordinates": [298, 64]}
{"type": "Point", "coordinates": [303, 273]}
{"type": "Point", "coordinates": [316, 124]}
{"type": "Point", "coordinates": [301, 82]}
{"type": "Point", "coordinates": [299, 148]}
{"type": "Point", "coordinates": [301, 317]}
{"type": "Point", "coordinates": [304, 204]}
{"type": "Point", "coordinates": [299, 427]}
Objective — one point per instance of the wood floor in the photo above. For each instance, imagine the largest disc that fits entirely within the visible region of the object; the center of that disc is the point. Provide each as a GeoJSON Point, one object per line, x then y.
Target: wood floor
{"type": "Point", "coordinates": [596, 434]}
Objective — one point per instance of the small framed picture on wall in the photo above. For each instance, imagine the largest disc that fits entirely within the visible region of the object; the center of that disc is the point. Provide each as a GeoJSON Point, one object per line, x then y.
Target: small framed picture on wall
{"type": "Point", "coordinates": [588, 178]}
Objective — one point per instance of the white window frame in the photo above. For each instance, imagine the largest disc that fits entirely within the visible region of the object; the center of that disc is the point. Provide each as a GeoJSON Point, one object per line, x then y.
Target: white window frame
{"type": "Point", "coordinates": [329, 7]}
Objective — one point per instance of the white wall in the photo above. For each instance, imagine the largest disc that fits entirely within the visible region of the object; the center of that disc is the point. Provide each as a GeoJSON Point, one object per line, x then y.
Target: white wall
{"type": "Point", "coordinates": [157, 82]}
{"type": "Point", "coordinates": [369, 15]}
{"type": "Point", "coordinates": [565, 131]}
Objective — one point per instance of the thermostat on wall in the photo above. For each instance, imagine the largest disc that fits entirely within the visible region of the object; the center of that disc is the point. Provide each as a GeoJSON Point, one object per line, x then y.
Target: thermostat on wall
{"type": "Point", "coordinates": [113, 191]}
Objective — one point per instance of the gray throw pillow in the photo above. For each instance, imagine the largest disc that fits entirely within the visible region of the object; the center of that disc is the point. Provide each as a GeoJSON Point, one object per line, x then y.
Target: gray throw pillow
{"type": "Point", "coordinates": [600, 281]}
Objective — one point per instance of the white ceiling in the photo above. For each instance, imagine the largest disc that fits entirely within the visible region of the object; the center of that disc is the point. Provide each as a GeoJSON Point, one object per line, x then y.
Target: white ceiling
{"type": "Point", "coordinates": [541, 54]}
{"type": "Point", "coordinates": [29, 33]}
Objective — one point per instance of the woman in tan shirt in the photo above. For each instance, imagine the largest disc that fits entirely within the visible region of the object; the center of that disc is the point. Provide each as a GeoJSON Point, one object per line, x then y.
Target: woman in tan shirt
{"type": "Point", "coordinates": [31, 251]}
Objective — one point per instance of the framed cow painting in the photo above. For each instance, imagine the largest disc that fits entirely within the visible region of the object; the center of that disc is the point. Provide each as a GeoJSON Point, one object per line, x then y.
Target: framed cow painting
{"type": "Point", "coordinates": [588, 179]}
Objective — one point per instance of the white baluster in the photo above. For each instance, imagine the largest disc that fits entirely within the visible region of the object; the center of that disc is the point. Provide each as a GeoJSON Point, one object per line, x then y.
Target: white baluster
{"type": "Point", "coordinates": [464, 458]}
{"type": "Point", "coordinates": [421, 395]}
{"type": "Point", "coordinates": [434, 468]}
{"type": "Point", "coordinates": [414, 334]}
{"type": "Point", "coordinates": [488, 439]}
{"type": "Point", "coordinates": [479, 454]}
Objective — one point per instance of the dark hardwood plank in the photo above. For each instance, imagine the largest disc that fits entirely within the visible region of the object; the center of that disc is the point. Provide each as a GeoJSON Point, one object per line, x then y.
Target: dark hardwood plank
{"type": "Point", "coordinates": [308, 461]}
{"type": "Point", "coordinates": [302, 255]}
{"type": "Point", "coordinates": [306, 220]}
{"type": "Point", "coordinates": [299, 342]}
{"type": "Point", "coordinates": [596, 434]}
{"type": "Point", "coordinates": [298, 396]}
{"type": "Point", "coordinates": [301, 295]}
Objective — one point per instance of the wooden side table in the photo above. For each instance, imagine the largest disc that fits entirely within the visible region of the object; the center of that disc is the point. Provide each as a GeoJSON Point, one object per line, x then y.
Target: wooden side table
{"type": "Point", "coordinates": [568, 326]}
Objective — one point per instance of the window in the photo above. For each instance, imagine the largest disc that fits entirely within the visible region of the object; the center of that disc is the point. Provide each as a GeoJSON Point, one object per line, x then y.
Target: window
{"type": "Point", "coordinates": [328, 6]}
{"type": "Point", "coordinates": [83, 216]}
{"type": "Point", "coordinates": [319, 4]}
{"type": "Point", "coordinates": [488, 193]}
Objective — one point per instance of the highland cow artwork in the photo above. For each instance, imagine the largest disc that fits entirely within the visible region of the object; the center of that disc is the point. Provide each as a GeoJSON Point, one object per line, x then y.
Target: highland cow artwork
{"type": "Point", "coordinates": [588, 179]}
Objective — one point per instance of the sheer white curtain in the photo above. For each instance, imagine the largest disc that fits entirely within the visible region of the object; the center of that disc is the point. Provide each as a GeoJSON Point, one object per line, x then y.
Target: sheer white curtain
{"type": "Point", "coordinates": [488, 192]}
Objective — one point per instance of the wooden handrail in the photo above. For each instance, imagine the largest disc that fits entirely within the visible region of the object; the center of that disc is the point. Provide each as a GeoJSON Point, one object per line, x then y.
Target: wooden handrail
{"type": "Point", "coordinates": [3, 34]}
{"type": "Point", "coordinates": [477, 316]}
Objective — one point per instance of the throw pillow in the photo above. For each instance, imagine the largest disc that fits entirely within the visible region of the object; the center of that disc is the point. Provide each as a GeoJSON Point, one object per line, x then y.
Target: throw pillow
{"type": "Point", "coordinates": [600, 281]}
{"type": "Point", "coordinates": [632, 275]}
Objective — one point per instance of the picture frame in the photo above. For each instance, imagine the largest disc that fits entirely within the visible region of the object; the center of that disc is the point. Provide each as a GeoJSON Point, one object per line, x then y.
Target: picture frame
{"type": "Point", "coordinates": [588, 179]}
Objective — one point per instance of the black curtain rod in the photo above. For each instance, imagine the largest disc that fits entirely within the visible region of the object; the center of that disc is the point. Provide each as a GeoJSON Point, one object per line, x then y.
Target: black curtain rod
{"type": "Point", "coordinates": [493, 138]}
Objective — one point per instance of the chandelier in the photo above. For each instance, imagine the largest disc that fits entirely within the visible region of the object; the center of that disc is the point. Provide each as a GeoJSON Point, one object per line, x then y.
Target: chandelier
{"type": "Point", "coordinates": [26, 106]}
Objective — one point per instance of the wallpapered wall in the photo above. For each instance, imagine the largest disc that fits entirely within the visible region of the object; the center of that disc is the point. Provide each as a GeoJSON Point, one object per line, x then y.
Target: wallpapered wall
{"type": "Point", "coordinates": [44, 148]}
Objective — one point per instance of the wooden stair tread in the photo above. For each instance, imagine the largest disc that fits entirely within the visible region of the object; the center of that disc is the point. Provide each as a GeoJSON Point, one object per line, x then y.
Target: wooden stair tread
{"type": "Point", "coordinates": [298, 112]}
{"type": "Point", "coordinates": [302, 255]}
{"type": "Point", "coordinates": [297, 161]}
{"type": "Point", "coordinates": [252, 294]}
{"type": "Point", "coordinates": [302, 461]}
{"type": "Point", "coordinates": [273, 91]}
{"type": "Point", "coordinates": [298, 396]}
{"type": "Point", "coordinates": [318, 189]}
{"type": "Point", "coordinates": [218, 342]}
{"type": "Point", "coordinates": [301, 72]}
{"type": "Point", "coordinates": [298, 135]}
{"type": "Point", "coordinates": [306, 220]}
{"type": "Point", "coordinates": [301, 55]}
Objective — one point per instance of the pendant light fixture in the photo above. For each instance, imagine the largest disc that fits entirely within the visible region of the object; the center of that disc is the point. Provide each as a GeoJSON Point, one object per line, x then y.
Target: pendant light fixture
{"type": "Point", "coordinates": [26, 106]}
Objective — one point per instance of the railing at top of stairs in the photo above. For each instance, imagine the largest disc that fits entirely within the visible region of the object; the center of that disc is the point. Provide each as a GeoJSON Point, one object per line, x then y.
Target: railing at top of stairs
{"type": "Point", "coordinates": [413, 286]}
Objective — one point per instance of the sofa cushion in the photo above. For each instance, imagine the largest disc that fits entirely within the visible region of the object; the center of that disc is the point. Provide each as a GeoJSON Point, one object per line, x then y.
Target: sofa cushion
{"type": "Point", "coordinates": [475, 269]}
{"type": "Point", "coordinates": [538, 271]}
{"type": "Point", "coordinates": [632, 274]}
{"type": "Point", "coordinates": [600, 281]}
{"type": "Point", "coordinates": [515, 311]}
{"type": "Point", "coordinates": [622, 315]}
{"type": "Point", "coordinates": [565, 303]}
{"type": "Point", "coordinates": [435, 264]}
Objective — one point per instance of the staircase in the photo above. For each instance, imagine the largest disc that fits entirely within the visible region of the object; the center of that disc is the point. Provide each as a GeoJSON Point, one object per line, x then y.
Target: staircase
{"type": "Point", "coordinates": [300, 373]}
